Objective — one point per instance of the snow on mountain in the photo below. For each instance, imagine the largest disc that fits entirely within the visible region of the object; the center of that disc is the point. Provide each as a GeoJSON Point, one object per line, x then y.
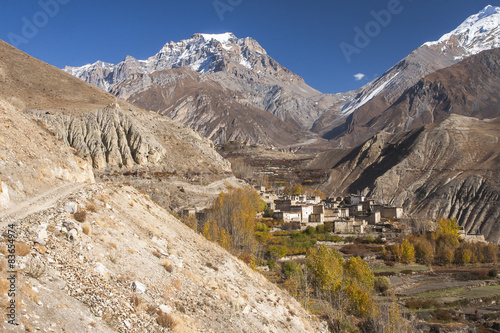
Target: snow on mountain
{"type": "Point", "coordinates": [477, 33]}
{"type": "Point", "coordinates": [225, 38]}
{"type": "Point", "coordinates": [202, 53]}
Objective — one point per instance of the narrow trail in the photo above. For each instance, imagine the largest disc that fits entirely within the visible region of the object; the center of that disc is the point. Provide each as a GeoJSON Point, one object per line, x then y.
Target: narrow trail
{"type": "Point", "coordinates": [38, 203]}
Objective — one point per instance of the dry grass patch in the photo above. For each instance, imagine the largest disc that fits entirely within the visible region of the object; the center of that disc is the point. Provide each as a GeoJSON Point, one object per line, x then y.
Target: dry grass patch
{"type": "Point", "coordinates": [91, 207]}
{"type": "Point", "coordinates": [112, 245]}
{"type": "Point", "coordinates": [177, 284]}
{"type": "Point", "coordinates": [210, 265]}
{"type": "Point", "coordinates": [165, 320]}
{"type": "Point", "coordinates": [168, 266]}
{"type": "Point", "coordinates": [80, 215]}
{"type": "Point", "coordinates": [22, 249]}
{"type": "Point", "coordinates": [152, 310]}
{"type": "Point", "coordinates": [157, 253]}
{"type": "Point", "coordinates": [167, 292]}
{"type": "Point", "coordinates": [193, 277]}
{"type": "Point", "coordinates": [87, 228]}
{"type": "Point", "coordinates": [135, 301]}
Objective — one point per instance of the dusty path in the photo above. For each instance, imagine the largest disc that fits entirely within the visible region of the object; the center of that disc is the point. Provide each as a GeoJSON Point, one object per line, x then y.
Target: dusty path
{"type": "Point", "coordinates": [38, 203]}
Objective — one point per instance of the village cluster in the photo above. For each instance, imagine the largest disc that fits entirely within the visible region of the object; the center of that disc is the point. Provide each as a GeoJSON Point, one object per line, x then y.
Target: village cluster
{"type": "Point", "coordinates": [354, 214]}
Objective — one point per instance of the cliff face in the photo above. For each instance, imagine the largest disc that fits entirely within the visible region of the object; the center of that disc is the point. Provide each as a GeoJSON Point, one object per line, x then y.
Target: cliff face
{"type": "Point", "coordinates": [110, 132]}
{"type": "Point", "coordinates": [448, 169]}
{"type": "Point", "coordinates": [108, 137]}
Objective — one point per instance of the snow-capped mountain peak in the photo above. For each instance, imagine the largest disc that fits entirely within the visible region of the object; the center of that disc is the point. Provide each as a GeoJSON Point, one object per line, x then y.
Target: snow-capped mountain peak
{"type": "Point", "coordinates": [477, 33]}
{"type": "Point", "coordinates": [202, 52]}
{"type": "Point", "coordinates": [224, 38]}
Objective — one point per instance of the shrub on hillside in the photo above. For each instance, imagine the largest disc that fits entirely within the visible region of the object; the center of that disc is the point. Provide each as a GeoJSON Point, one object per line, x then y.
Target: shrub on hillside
{"type": "Point", "coordinates": [165, 320]}
{"type": "Point", "coordinates": [381, 283]}
{"type": "Point", "coordinates": [80, 215]}
{"type": "Point", "coordinates": [443, 315]}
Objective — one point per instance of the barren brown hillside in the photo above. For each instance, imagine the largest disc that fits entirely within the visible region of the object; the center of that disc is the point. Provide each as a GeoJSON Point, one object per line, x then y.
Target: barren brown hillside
{"type": "Point", "coordinates": [105, 257]}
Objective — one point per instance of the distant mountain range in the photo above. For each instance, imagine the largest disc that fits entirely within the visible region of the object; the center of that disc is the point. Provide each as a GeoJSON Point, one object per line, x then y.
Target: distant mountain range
{"type": "Point", "coordinates": [226, 88]}
{"type": "Point", "coordinates": [477, 33]}
{"type": "Point", "coordinates": [219, 85]}
{"type": "Point", "coordinates": [424, 135]}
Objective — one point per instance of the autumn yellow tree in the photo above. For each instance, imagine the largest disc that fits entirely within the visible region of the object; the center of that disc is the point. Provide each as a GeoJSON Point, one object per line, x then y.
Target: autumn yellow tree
{"type": "Point", "coordinates": [211, 231]}
{"type": "Point", "coordinates": [326, 266]}
{"type": "Point", "coordinates": [235, 212]}
{"type": "Point", "coordinates": [357, 269]}
{"type": "Point", "coordinates": [424, 252]}
{"type": "Point", "coordinates": [448, 227]}
{"type": "Point", "coordinates": [407, 252]}
{"type": "Point", "coordinates": [361, 300]}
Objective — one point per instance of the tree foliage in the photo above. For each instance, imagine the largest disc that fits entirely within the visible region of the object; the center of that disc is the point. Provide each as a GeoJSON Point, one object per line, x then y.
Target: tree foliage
{"type": "Point", "coordinates": [424, 252]}
{"type": "Point", "coordinates": [448, 227]}
{"type": "Point", "coordinates": [357, 269]}
{"type": "Point", "coordinates": [235, 212]}
{"type": "Point", "coordinates": [407, 252]}
{"type": "Point", "coordinates": [361, 301]}
{"type": "Point", "coordinates": [326, 266]}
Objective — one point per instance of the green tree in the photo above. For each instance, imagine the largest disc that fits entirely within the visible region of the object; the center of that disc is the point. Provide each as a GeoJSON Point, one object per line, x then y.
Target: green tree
{"type": "Point", "coordinates": [289, 268]}
{"type": "Point", "coordinates": [276, 251]}
{"type": "Point", "coordinates": [382, 283]}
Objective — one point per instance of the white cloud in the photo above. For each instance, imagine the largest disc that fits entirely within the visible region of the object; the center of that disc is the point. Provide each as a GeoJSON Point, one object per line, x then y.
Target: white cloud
{"type": "Point", "coordinates": [359, 76]}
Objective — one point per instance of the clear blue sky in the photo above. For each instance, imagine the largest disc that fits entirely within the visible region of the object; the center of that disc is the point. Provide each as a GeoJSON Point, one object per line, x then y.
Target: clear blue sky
{"type": "Point", "coordinates": [304, 36]}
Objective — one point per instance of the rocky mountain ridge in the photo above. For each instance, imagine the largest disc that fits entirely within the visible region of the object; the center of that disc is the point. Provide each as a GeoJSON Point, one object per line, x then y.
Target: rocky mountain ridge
{"type": "Point", "coordinates": [447, 169]}
{"type": "Point", "coordinates": [203, 53]}
{"type": "Point", "coordinates": [249, 80]}
{"type": "Point", "coordinates": [470, 88]}
{"type": "Point", "coordinates": [479, 32]}
{"type": "Point", "coordinates": [239, 67]}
